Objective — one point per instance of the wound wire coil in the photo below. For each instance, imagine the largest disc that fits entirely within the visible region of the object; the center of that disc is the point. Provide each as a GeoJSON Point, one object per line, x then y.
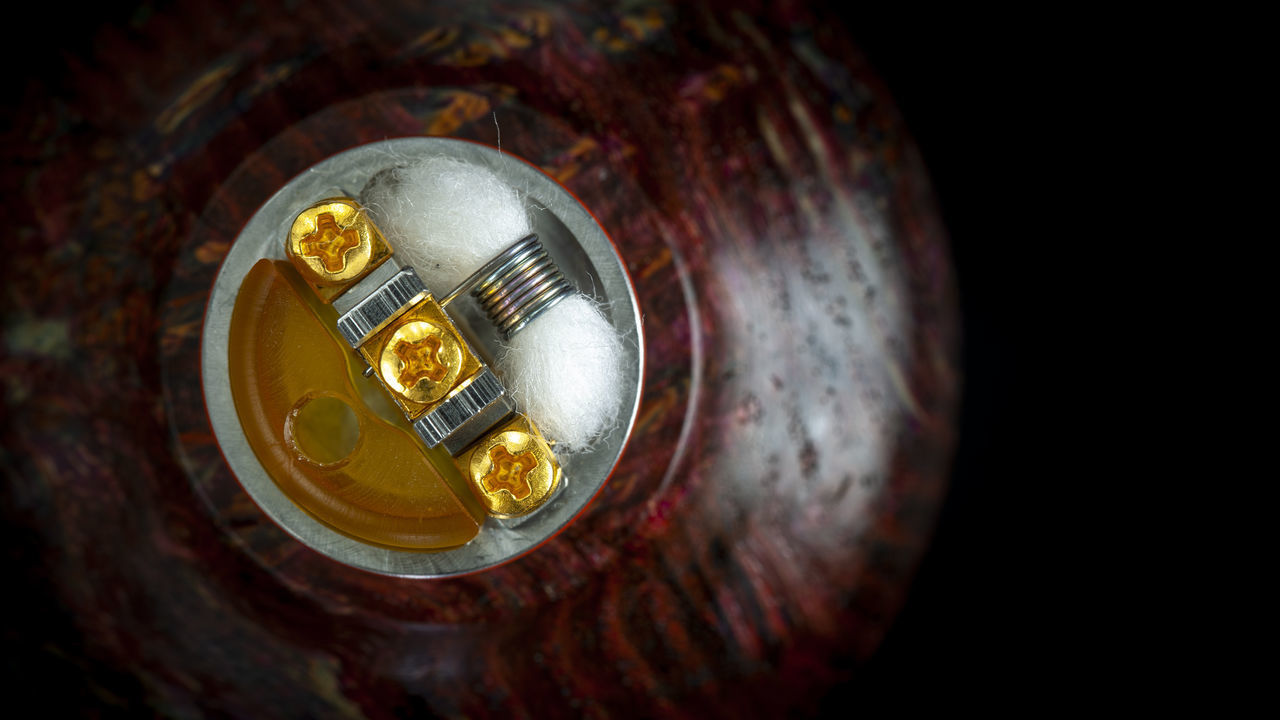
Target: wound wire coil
{"type": "Point", "coordinates": [518, 285]}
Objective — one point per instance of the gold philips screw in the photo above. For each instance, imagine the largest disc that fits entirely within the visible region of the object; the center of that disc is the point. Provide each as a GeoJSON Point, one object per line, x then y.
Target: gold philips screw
{"type": "Point", "coordinates": [420, 362]}
{"type": "Point", "coordinates": [420, 357]}
{"type": "Point", "coordinates": [333, 245]}
{"type": "Point", "coordinates": [511, 468]}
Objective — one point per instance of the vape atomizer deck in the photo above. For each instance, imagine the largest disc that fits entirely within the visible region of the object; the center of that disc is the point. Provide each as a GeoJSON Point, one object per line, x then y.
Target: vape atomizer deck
{"type": "Point", "coordinates": [363, 414]}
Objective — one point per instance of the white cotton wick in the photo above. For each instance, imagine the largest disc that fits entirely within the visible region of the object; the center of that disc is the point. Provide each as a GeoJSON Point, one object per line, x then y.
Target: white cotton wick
{"type": "Point", "coordinates": [565, 369]}
{"type": "Point", "coordinates": [445, 217]}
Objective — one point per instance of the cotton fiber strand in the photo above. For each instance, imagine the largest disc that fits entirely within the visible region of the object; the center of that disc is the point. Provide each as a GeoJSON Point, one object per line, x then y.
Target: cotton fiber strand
{"type": "Point", "coordinates": [445, 217]}
{"type": "Point", "coordinates": [565, 370]}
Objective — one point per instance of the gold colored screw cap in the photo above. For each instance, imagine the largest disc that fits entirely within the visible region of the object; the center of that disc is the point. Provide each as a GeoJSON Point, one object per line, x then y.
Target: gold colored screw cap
{"type": "Point", "coordinates": [420, 361]}
{"type": "Point", "coordinates": [333, 245]}
{"type": "Point", "coordinates": [420, 357]}
{"type": "Point", "coordinates": [512, 469]}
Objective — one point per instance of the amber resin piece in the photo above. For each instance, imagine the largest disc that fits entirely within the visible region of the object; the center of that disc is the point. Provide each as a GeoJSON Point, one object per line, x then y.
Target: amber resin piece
{"type": "Point", "coordinates": [330, 449]}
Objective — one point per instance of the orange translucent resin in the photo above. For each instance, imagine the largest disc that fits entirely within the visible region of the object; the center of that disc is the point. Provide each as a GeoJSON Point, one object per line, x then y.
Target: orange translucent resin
{"type": "Point", "coordinates": [335, 447]}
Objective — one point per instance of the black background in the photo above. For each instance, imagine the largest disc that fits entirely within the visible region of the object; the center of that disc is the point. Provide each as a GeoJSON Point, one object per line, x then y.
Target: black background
{"type": "Point", "coordinates": [987, 98]}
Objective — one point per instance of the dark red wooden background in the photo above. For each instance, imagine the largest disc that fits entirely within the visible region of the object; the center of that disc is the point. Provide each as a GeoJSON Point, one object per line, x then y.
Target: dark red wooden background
{"type": "Point", "coordinates": [729, 148]}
